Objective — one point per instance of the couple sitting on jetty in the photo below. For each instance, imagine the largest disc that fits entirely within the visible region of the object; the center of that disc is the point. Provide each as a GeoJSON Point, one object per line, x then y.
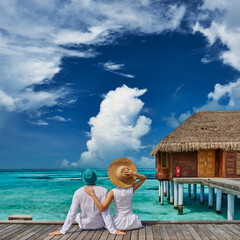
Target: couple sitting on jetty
{"type": "Point", "coordinates": [94, 200]}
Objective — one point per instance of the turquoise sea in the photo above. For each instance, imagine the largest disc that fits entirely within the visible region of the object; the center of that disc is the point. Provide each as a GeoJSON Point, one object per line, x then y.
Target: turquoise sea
{"type": "Point", "coordinates": [47, 195]}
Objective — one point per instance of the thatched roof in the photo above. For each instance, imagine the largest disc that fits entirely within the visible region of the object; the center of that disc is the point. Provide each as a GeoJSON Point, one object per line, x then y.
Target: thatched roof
{"type": "Point", "coordinates": [204, 130]}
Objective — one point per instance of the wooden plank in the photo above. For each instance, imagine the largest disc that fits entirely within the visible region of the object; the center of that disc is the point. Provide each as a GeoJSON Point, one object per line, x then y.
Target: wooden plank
{"type": "Point", "coordinates": [11, 231]}
{"type": "Point", "coordinates": [119, 237]}
{"type": "Point", "coordinates": [193, 232]}
{"type": "Point", "coordinates": [89, 234]}
{"type": "Point", "coordinates": [222, 231]}
{"type": "Point", "coordinates": [42, 232]}
{"type": "Point", "coordinates": [11, 226]}
{"type": "Point", "coordinates": [97, 234]}
{"type": "Point", "coordinates": [82, 235]}
{"type": "Point", "coordinates": [32, 228]}
{"type": "Point", "coordinates": [178, 232]}
{"type": "Point", "coordinates": [156, 232]}
{"type": "Point", "coordinates": [56, 229]}
{"type": "Point", "coordinates": [134, 235]}
{"type": "Point", "coordinates": [52, 229]}
{"type": "Point", "coordinates": [142, 233]}
{"type": "Point", "coordinates": [229, 229]}
{"type": "Point", "coordinates": [207, 232]}
{"type": "Point", "coordinates": [170, 232]}
{"type": "Point", "coordinates": [215, 232]}
{"type": "Point", "coordinates": [200, 232]}
{"type": "Point", "coordinates": [149, 233]}
{"type": "Point", "coordinates": [3, 225]}
{"type": "Point", "coordinates": [111, 237]}
{"type": "Point", "coordinates": [32, 233]}
{"type": "Point", "coordinates": [104, 235]}
{"type": "Point", "coordinates": [127, 236]}
{"type": "Point", "coordinates": [73, 230]}
{"type": "Point", "coordinates": [17, 233]}
{"type": "Point", "coordinates": [184, 230]}
{"type": "Point", "coordinates": [163, 231]}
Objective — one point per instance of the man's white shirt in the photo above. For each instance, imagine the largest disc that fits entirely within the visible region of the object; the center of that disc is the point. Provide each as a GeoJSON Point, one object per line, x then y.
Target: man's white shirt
{"type": "Point", "coordinates": [89, 217]}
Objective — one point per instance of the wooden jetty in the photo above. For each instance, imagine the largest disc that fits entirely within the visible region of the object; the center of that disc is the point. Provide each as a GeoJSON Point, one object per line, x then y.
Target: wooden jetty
{"type": "Point", "coordinates": [152, 230]}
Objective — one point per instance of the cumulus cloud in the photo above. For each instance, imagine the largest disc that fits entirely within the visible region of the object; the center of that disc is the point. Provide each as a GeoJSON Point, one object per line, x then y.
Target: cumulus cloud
{"type": "Point", "coordinates": [63, 163]}
{"type": "Point", "coordinates": [223, 98]}
{"type": "Point", "coordinates": [224, 26]}
{"type": "Point", "coordinates": [117, 128]}
{"type": "Point", "coordinates": [40, 123]}
{"type": "Point", "coordinates": [35, 36]}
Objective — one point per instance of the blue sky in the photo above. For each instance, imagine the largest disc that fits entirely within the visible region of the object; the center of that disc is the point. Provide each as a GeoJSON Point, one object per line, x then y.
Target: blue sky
{"type": "Point", "coordinates": [85, 82]}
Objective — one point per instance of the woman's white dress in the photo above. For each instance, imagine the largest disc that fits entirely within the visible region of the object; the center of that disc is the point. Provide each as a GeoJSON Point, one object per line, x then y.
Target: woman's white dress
{"type": "Point", "coordinates": [124, 218]}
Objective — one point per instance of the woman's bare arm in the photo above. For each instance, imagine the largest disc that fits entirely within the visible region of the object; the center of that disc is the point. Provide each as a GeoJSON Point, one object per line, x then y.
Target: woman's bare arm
{"type": "Point", "coordinates": [141, 177]}
{"type": "Point", "coordinates": [101, 206]}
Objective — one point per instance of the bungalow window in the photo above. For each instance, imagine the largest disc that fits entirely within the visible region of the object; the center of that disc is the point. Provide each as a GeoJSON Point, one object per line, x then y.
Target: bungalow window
{"type": "Point", "coordinates": [164, 162]}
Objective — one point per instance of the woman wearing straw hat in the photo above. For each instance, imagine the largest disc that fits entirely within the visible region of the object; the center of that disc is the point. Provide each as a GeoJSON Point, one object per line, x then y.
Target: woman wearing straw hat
{"type": "Point", "coordinates": [122, 173]}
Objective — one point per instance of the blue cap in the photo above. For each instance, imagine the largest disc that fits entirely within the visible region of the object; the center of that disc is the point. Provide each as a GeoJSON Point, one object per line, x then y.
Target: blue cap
{"type": "Point", "coordinates": [89, 176]}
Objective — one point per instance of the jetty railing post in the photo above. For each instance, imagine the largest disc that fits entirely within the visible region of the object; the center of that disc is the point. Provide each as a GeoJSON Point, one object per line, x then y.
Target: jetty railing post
{"type": "Point", "coordinates": [168, 195]}
{"type": "Point", "coordinates": [219, 201]}
{"type": "Point", "coordinates": [175, 195]}
{"type": "Point", "coordinates": [165, 193]}
{"type": "Point", "coordinates": [202, 194]}
{"type": "Point", "coordinates": [194, 191]}
{"type": "Point", "coordinates": [171, 192]}
{"type": "Point", "coordinates": [230, 206]}
{"type": "Point", "coordinates": [159, 194]}
{"type": "Point", "coordinates": [210, 198]}
{"type": "Point", "coordinates": [162, 192]}
{"type": "Point", "coordinates": [180, 198]}
{"type": "Point", "coordinates": [189, 190]}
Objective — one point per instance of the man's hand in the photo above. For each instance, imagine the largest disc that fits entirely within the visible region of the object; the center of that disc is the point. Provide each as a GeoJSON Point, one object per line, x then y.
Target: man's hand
{"type": "Point", "coordinates": [55, 233]}
{"type": "Point", "coordinates": [89, 191]}
{"type": "Point", "coordinates": [119, 233]}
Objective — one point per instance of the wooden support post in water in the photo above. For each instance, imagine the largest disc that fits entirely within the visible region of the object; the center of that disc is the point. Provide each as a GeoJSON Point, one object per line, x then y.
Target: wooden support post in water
{"type": "Point", "coordinates": [165, 192]}
{"type": "Point", "coordinates": [159, 194]}
{"type": "Point", "coordinates": [194, 191]}
{"type": "Point", "coordinates": [162, 192]}
{"type": "Point", "coordinates": [219, 202]}
{"type": "Point", "coordinates": [202, 194]}
{"type": "Point", "coordinates": [210, 198]}
{"type": "Point", "coordinates": [175, 195]}
{"type": "Point", "coordinates": [189, 190]}
{"type": "Point", "coordinates": [168, 194]}
{"type": "Point", "coordinates": [180, 198]}
{"type": "Point", "coordinates": [230, 207]}
{"type": "Point", "coordinates": [171, 193]}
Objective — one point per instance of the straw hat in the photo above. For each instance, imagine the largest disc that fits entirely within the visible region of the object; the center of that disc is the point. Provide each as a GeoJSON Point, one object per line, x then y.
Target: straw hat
{"type": "Point", "coordinates": [89, 176]}
{"type": "Point", "coordinates": [115, 173]}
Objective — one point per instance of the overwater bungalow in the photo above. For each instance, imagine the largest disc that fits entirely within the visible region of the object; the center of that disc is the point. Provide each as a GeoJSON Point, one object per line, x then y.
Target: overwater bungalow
{"type": "Point", "coordinates": [207, 144]}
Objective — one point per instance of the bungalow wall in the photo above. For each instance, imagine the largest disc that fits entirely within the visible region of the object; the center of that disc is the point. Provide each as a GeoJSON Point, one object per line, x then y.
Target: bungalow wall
{"type": "Point", "coordinates": [227, 164]}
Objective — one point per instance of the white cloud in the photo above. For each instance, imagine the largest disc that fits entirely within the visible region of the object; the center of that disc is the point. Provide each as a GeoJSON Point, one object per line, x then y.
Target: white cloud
{"type": "Point", "coordinates": [60, 119]}
{"type": "Point", "coordinates": [34, 36]}
{"type": "Point", "coordinates": [146, 162]}
{"type": "Point", "coordinates": [117, 128]}
{"type": "Point", "coordinates": [40, 123]}
{"type": "Point", "coordinates": [224, 26]}
{"type": "Point", "coordinates": [174, 121]}
{"type": "Point", "coordinates": [224, 97]}
{"type": "Point", "coordinates": [63, 163]}
{"type": "Point", "coordinates": [115, 67]}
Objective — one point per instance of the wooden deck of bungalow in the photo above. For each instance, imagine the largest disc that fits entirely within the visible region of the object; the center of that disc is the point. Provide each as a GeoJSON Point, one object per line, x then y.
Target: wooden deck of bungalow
{"type": "Point", "coordinates": [152, 230]}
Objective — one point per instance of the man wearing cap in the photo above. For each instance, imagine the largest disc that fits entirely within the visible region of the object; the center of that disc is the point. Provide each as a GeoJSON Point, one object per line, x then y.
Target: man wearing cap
{"type": "Point", "coordinates": [89, 217]}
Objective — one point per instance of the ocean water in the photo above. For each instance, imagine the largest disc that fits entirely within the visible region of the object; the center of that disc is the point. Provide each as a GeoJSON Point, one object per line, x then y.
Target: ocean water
{"type": "Point", "coordinates": [47, 195]}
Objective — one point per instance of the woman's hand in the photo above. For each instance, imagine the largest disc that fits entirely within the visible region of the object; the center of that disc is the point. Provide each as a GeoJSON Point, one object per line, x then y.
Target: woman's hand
{"type": "Point", "coordinates": [119, 233]}
{"type": "Point", "coordinates": [128, 172]}
{"type": "Point", "coordinates": [89, 191]}
{"type": "Point", "coordinates": [55, 233]}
